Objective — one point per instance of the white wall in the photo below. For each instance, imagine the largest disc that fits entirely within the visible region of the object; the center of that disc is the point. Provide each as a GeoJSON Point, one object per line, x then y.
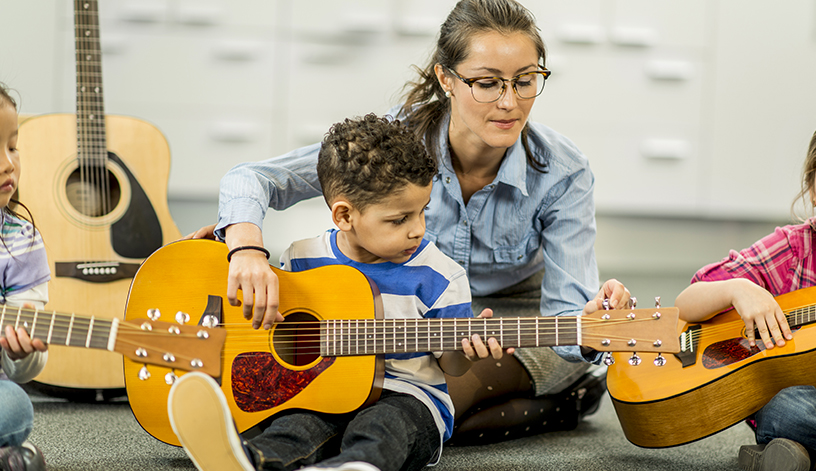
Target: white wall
{"type": "Point", "coordinates": [692, 112]}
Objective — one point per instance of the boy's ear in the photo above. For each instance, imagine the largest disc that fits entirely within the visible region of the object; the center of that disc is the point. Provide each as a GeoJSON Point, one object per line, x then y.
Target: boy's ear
{"type": "Point", "coordinates": [341, 214]}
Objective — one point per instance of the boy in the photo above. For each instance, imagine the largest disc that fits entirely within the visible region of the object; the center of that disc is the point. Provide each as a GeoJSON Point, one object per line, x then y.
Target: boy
{"type": "Point", "coordinates": [376, 178]}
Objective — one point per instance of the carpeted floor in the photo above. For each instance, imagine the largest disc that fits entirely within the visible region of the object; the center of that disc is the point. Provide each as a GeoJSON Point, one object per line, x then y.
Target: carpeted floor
{"type": "Point", "coordinates": [105, 436]}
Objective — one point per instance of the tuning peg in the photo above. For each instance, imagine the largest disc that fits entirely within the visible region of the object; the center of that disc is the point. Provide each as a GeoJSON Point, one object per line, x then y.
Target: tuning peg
{"type": "Point", "coordinates": [632, 302]}
{"type": "Point", "coordinates": [609, 360]}
{"type": "Point", "coordinates": [153, 314]}
{"type": "Point", "coordinates": [144, 374]}
{"type": "Point", "coordinates": [209, 321]}
{"type": "Point", "coordinates": [660, 360]}
{"type": "Point", "coordinates": [635, 360]}
{"type": "Point", "coordinates": [657, 302]}
{"type": "Point", "coordinates": [170, 378]}
{"type": "Point", "coordinates": [182, 317]}
{"type": "Point", "coordinates": [606, 304]}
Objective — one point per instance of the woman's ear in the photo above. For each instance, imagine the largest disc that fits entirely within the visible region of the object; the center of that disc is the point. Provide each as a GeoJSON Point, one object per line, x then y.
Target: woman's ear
{"type": "Point", "coordinates": [445, 81]}
{"type": "Point", "coordinates": [341, 211]}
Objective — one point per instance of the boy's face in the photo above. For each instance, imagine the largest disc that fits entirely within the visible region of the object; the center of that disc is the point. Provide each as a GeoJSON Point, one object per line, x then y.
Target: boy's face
{"type": "Point", "coordinates": [388, 231]}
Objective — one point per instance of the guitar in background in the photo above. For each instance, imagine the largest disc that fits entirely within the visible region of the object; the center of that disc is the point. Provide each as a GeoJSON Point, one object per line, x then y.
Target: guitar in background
{"type": "Point", "coordinates": [97, 187]}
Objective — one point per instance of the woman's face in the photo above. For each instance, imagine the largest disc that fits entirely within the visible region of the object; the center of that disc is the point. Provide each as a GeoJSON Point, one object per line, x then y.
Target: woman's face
{"type": "Point", "coordinates": [482, 127]}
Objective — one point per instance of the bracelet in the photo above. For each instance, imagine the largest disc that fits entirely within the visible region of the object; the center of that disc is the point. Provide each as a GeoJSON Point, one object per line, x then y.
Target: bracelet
{"type": "Point", "coordinates": [247, 247]}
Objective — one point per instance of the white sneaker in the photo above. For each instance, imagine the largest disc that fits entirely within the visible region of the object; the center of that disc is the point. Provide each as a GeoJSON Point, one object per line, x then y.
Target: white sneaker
{"type": "Point", "coordinates": [201, 419]}
{"type": "Point", "coordinates": [350, 466]}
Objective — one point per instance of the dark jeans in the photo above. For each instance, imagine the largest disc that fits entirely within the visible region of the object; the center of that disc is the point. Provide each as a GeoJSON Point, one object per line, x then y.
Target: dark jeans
{"type": "Point", "coordinates": [790, 414]}
{"type": "Point", "coordinates": [397, 433]}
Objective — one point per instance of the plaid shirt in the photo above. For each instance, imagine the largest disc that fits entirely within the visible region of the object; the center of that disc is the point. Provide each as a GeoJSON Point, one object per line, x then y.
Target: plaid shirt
{"type": "Point", "coordinates": [780, 262]}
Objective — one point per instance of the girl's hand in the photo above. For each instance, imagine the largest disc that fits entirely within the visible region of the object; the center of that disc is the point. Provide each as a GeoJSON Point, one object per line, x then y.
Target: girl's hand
{"type": "Point", "coordinates": [206, 232]}
{"type": "Point", "coordinates": [760, 311]}
{"type": "Point", "coordinates": [613, 290]}
{"type": "Point", "coordinates": [18, 344]}
{"type": "Point", "coordinates": [475, 349]}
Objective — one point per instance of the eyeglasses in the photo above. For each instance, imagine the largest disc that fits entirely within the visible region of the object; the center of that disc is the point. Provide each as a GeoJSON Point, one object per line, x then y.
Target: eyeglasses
{"type": "Point", "coordinates": [489, 89]}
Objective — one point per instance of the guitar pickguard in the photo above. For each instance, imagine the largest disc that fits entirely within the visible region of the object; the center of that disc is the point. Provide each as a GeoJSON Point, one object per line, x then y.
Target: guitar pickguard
{"type": "Point", "coordinates": [260, 383]}
{"type": "Point", "coordinates": [138, 233]}
{"type": "Point", "coordinates": [729, 352]}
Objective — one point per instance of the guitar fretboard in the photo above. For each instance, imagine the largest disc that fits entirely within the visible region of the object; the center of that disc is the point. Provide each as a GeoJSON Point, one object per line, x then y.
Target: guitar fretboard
{"type": "Point", "coordinates": [91, 141]}
{"type": "Point", "coordinates": [374, 337]}
{"type": "Point", "coordinates": [801, 316]}
{"type": "Point", "coordinates": [61, 329]}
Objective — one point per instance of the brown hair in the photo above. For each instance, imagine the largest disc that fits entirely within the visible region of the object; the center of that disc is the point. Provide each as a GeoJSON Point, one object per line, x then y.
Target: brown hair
{"type": "Point", "coordinates": [808, 190]}
{"type": "Point", "coordinates": [425, 103]}
{"type": "Point", "coordinates": [367, 159]}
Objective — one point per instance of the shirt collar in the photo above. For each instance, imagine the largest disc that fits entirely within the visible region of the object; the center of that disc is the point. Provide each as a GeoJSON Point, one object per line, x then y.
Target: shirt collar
{"type": "Point", "coordinates": [513, 169]}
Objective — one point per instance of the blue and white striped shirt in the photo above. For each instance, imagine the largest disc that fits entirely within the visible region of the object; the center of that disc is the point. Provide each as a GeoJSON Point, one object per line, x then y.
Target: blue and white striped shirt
{"type": "Point", "coordinates": [427, 285]}
{"type": "Point", "coordinates": [522, 222]}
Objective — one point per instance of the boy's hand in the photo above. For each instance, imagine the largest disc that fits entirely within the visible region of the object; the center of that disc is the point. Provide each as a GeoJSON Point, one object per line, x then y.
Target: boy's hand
{"type": "Point", "coordinates": [18, 344]}
{"type": "Point", "coordinates": [613, 290]}
{"type": "Point", "coordinates": [475, 349]}
{"type": "Point", "coordinates": [760, 311]}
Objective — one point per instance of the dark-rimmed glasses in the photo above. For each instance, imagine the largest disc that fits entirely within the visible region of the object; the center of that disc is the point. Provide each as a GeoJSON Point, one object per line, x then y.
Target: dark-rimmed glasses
{"type": "Point", "coordinates": [489, 89]}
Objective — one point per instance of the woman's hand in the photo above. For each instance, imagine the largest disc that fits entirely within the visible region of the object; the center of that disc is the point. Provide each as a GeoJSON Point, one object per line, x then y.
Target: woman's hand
{"type": "Point", "coordinates": [206, 232]}
{"type": "Point", "coordinates": [614, 291]}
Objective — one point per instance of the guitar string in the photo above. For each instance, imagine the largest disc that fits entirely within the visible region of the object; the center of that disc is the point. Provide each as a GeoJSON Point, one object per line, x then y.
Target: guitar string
{"type": "Point", "coordinates": [795, 317]}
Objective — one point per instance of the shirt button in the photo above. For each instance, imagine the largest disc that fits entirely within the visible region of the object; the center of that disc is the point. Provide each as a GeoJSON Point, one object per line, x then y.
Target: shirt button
{"type": "Point", "coordinates": [464, 223]}
{"type": "Point", "coordinates": [461, 262]}
{"type": "Point", "coordinates": [447, 179]}
{"type": "Point", "coordinates": [520, 257]}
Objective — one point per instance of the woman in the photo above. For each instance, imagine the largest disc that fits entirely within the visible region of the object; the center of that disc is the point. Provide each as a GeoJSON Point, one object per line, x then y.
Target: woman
{"type": "Point", "coordinates": [512, 203]}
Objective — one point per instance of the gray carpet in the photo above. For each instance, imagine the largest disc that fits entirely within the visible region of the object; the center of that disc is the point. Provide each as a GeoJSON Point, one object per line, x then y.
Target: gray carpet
{"type": "Point", "coordinates": [105, 436]}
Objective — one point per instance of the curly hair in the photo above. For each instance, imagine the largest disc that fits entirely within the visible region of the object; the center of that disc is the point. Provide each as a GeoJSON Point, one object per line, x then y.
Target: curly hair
{"type": "Point", "coordinates": [367, 159]}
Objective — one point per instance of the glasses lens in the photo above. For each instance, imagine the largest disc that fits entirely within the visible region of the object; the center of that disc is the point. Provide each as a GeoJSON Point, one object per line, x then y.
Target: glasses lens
{"type": "Point", "coordinates": [530, 85]}
{"type": "Point", "coordinates": [487, 90]}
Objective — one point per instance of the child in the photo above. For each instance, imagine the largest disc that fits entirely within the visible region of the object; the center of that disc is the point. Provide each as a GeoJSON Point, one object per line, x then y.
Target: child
{"type": "Point", "coordinates": [376, 178]}
{"type": "Point", "coordinates": [778, 263]}
{"type": "Point", "coordinates": [25, 274]}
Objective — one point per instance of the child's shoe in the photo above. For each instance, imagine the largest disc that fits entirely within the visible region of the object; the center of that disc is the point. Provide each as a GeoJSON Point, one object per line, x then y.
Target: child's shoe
{"type": "Point", "coordinates": [350, 466]}
{"type": "Point", "coordinates": [780, 454]}
{"type": "Point", "coordinates": [26, 457]}
{"type": "Point", "coordinates": [201, 419]}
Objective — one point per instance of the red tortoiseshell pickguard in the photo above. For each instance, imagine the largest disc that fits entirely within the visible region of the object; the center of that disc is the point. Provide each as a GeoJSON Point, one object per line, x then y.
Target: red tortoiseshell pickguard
{"type": "Point", "coordinates": [728, 352]}
{"type": "Point", "coordinates": [260, 383]}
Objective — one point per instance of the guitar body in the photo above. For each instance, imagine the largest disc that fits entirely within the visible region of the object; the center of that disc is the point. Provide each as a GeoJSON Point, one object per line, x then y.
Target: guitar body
{"type": "Point", "coordinates": [262, 375]}
{"type": "Point", "coordinates": [123, 234]}
{"type": "Point", "coordinates": [727, 382]}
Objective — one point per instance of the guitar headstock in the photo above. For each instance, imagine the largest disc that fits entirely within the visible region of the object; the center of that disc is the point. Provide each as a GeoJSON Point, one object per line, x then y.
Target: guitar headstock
{"type": "Point", "coordinates": [632, 330]}
{"type": "Point", "coordinates": [176, 346]}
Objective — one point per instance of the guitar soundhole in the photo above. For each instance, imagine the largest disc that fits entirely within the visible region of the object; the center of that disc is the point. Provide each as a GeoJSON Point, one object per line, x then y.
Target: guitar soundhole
{"type": "Point", "coordinates": [297, 339]}
{"type": "Point", "coordinates": [93, 191]}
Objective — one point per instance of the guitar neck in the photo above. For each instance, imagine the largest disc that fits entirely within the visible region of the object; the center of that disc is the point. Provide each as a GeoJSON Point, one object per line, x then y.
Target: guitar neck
{"type": "Point", "coordinates": [801, 316]}
{"type": "Point", "coordinates": [91, 140]}
{"type": "Point", "coordinates": [368, 337]}
{"type": "Point", "coordinates": [62, 329]}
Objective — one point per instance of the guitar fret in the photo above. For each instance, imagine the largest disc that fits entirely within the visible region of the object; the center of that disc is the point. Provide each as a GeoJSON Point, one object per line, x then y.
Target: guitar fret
{"type": "Point", "coordinates": [34, 324]}
{"type": "Point", "coordinates": [537, 338]}
{"type": "Point", "coordinates": [17, 322]}
{"type": "Point", "coordinates": [51, 327]}
{"type": "Point", "coordinates": [90, 331]}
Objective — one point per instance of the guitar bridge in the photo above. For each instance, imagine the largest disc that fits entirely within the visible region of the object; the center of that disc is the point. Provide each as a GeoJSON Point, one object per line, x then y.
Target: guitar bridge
{"type": "Point", "coordinates": [96, 272]}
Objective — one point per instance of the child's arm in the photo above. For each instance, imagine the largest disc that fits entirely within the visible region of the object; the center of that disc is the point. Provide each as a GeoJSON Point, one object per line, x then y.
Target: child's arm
{"type": "Point", "coordinates": [22, 359]}
{"type": "Point", "coordinates": [757, 307]}
{"type": "Point", "coordinates": [458, 363]}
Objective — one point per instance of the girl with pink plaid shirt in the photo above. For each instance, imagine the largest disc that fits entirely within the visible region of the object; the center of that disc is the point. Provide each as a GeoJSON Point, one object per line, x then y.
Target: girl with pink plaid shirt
{"type": "Point", "coordinates": [748, 280]}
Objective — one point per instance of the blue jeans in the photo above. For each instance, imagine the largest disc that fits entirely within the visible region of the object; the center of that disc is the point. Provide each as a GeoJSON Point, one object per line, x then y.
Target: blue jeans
{"type": "Point", "coordinates": [790, 414]}
{"type": "Point", "coordinates": [397, 433]}
{"type": "Point", "coordinates": [16, 414]}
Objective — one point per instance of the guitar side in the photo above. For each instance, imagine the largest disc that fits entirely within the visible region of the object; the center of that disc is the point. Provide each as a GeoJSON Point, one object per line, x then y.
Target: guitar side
{"type": "Point", "coordinates": [48, 143]}
{"type": "Point", "coordinates": [192, 276]}
{"type": "Point", "coordinates": [674, 405]}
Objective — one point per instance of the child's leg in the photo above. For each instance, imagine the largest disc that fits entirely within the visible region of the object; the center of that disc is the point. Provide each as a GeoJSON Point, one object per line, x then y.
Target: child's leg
{"type": "Point", "coordinates": [396, 433]}
{"type": "Point", "coordinates": [790, 414]}
{"type": "Point", "coordinates": [16, 414]}
{"type": "Point", "coordinates": [298, 439]}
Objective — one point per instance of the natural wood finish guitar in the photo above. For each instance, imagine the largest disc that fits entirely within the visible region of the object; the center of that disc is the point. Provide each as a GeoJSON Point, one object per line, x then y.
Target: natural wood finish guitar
{"type": "Point", "coordinates": [716, 381]}
{"type": "Point", "coordinates": [97, 187]}
{"type": "Point", "coordinates": [328, 353]}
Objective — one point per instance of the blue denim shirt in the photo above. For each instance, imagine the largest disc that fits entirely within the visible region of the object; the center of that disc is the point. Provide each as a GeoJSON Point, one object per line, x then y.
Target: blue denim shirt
{"type": "Point", "coordinates": [522, 222]}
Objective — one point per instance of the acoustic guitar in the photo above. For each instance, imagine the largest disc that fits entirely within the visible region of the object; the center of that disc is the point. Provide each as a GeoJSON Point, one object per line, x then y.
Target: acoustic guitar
{"type": "Point", "coordinates": [328, 354]}
{"type": "Point", "coordinates": [716, 381]}
{"type": "Point", "coordinates": [97, 187]}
